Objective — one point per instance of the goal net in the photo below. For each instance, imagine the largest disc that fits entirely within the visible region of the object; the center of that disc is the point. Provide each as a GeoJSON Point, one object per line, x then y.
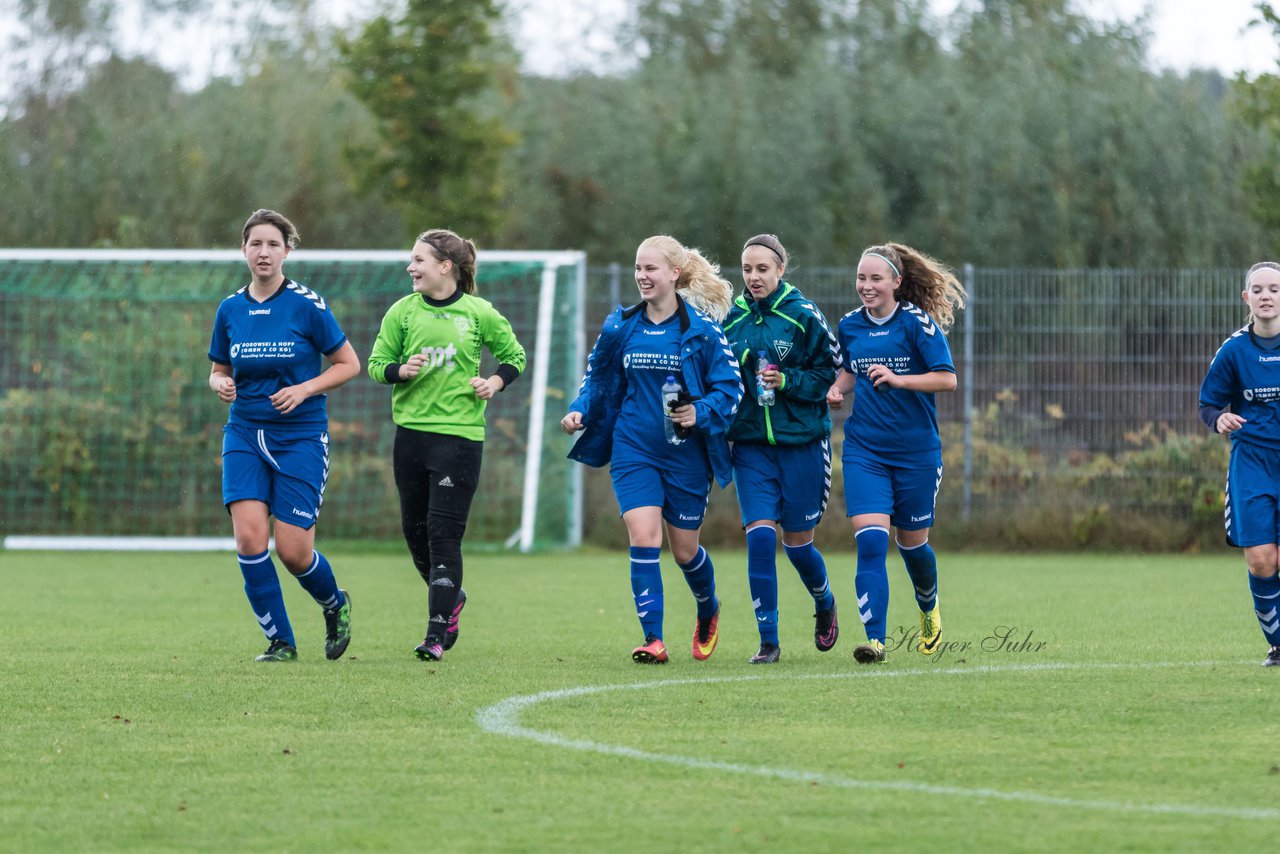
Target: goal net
{"type": "Point", "coordinates": [108, 428]}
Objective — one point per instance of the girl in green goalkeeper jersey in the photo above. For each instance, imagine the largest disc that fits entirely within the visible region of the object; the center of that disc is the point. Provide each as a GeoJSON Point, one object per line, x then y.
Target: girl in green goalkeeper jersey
{"type": "Point", "coordinates": [429, 350]}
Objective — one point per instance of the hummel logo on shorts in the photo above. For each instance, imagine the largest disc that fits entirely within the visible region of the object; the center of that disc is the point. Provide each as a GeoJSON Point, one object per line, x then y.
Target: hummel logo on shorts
{"type": "Point", "coordinates": [445, 482]}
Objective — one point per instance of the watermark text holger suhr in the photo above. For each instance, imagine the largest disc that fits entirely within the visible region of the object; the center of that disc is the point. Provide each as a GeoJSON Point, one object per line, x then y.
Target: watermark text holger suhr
{"type": "Point", "coordinates": [1000, 640]}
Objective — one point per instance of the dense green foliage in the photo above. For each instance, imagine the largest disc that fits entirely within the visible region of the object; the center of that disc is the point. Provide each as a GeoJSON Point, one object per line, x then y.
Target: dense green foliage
{"type": "Point", "coordinates": [1014, 132]}
{"type": "Point", "coordinates": [423, 77]}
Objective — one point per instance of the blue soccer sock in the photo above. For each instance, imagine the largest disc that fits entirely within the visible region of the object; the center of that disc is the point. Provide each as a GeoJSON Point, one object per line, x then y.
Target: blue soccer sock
{"type": "Point", "coordinates": [700, 575]}
{"type": "Point", "coordinates": [872, 580]}
{"type": "Point", "coordinates": [813, 572]}
{"type": "Point", "coordinates": [762, 577]}
{"type": "Point", "coordinates": [320, 583]}
{"type": "Point", "coordinates": [646, 587]}
{"type": "Point", "coordinates": [1266, 602]}
{"type": "Point", "coordinates": [262, 586]}
{"type": "Point", "coordinates": [922, 566]}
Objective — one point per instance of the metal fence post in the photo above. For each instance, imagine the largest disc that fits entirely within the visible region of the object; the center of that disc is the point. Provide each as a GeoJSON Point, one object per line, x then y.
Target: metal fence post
{"type": "Point", "coordinates": [615, 284]}
{"type": "Point", "coordinates": [967, 506]}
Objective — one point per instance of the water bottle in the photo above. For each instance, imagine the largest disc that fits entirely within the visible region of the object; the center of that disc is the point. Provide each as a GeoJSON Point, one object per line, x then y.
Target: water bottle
{"type": "Point", "coordinates": [670, 399]}
{"type": "Point", "coordinates": [765, 396]}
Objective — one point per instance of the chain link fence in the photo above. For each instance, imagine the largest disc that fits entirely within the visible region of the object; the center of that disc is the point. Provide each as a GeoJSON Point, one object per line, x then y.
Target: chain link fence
{"type": "Point", "coordinates": [1075, 420]}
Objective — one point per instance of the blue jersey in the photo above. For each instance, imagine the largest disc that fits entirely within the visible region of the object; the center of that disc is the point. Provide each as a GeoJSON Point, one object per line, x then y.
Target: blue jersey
{"type": "Point", "coordinates": [1245, 377]}
{"type": "Point", "coordinates": [650, 354]}
{"type": "Point", "coordinates": [896, 426]}
{"type": "Point", "coordinates": [272, 345]}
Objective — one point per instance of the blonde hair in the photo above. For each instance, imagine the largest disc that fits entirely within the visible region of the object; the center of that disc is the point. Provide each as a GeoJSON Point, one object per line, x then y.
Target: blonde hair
{"type": "Point", "coordinates": [1248, 279]}
{"type": "Point", "coordinates": [926, 282]}
{"type": "Point", "coordinates": [699, 278]}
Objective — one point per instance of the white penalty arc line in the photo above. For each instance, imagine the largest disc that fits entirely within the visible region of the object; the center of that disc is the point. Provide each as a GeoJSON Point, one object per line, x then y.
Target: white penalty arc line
{"type": "Point", "coordinates": [503, 718]}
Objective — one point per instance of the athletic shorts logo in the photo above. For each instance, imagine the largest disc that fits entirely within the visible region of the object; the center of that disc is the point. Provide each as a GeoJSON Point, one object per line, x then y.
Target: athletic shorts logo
{"type": "Point", "coordinates": [445, 482]}
{"type": "Point", "coordinates": [684, 518]}
{"type": "Point", "coordinates": [303, 514]}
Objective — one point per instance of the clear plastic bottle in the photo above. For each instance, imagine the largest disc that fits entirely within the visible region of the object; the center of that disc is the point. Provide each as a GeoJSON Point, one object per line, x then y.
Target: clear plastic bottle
{"type": "Point", "coordinates": [670, 394]}
{"type": "Point", "coordinates": [765, 396]}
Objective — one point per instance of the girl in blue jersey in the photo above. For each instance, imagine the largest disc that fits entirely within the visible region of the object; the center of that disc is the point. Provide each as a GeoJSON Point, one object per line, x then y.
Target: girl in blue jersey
{"type": "Point", "coordinates": [268, 339]}
{"type": "Point", "coordinates": [781, 437]}
{"type": "Point", "coordinates": [896, 359]}
{"type": "Point", "coordinates": [1240, 396]}
{"type": "Point", "coordinates": [662, 457]}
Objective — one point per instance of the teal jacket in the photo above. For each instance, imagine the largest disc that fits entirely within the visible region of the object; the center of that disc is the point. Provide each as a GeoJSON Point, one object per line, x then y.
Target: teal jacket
{"type": "Point", "coordinates": [794, 333]}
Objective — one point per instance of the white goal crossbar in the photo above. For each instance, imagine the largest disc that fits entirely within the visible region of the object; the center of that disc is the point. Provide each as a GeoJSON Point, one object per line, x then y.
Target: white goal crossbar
{"type": "Point", "coordinates": [551, 261]}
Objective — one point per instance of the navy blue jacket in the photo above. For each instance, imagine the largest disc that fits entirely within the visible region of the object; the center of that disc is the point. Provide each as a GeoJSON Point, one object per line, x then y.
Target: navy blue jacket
{"type": "Point", "coordinates": [710, 374]}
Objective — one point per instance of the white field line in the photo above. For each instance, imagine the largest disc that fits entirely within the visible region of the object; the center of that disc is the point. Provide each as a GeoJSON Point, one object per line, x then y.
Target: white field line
{"type": "Point", "coordinates": [503, 718]}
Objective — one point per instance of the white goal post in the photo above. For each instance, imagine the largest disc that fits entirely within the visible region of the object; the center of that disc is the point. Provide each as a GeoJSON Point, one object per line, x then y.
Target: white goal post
{"type": "Point", "coordinates": [558, 323]}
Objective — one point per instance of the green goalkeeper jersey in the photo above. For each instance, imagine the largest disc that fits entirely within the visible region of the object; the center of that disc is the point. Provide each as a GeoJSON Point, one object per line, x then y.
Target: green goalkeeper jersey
{"type": "Point", "coordinates": [451, 333]}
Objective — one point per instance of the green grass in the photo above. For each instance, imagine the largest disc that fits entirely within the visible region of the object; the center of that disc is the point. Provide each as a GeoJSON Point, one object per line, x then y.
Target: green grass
{"type": "Point", "coordinates": [135, 718]}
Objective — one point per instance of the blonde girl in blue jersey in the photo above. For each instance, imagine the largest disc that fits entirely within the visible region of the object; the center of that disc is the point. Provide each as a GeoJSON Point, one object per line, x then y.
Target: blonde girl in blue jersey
{"type": "Point", "coordinates": [1240, 397]}
{"type": "Point", "coordinates": [266, 347]}
{"type": "Point", "coordinates": [896, 359]}
{"type": "Point", "coordinates": [662, 460]}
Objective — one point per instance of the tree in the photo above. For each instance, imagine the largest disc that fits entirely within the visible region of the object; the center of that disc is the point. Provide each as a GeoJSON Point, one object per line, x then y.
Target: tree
{"type": "Point", "coordinates": [430, 80]}
{"type": "Point", "coordinates": [1259, 105]}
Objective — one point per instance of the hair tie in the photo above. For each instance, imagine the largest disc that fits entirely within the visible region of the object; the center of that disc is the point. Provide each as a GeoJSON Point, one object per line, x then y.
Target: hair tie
{"type": "Point", "coordinates": [766, 246]}
{"type": "Point", "coordinates": [896, 272]}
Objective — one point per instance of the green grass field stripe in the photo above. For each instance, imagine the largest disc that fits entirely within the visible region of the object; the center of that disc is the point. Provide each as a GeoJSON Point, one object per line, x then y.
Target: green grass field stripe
{"type": "Point", "coordinates": [503, 718]}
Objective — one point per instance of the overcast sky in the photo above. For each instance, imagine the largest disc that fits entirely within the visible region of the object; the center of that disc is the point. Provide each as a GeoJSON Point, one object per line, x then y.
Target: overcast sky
{"type": "Point", "coordinates": [552, 33]}
{"type": "Point", "coordinates": [1186, 33]}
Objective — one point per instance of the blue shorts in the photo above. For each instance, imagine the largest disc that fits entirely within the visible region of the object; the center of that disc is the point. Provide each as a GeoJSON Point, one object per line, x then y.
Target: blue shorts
{"type": "Point", "coordinates": [1253, 496]}
{"type": "Point", "coordinates": [287, 472]}
{"type": "Point", "coordinates": [682, 494]}
{"type": "Point", "coordinates": [907, 496]}
{"type": "Point", "coordinates": [784, 483]}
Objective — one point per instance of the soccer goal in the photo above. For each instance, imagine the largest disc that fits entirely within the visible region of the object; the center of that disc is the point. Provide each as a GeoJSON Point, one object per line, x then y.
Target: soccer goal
{"type": "Point", "coordinates": [108, 429]}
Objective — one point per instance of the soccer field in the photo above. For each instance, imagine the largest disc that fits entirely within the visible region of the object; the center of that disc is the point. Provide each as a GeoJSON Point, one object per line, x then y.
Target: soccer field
{"type": "Point", "coordinates": [1084, 703]}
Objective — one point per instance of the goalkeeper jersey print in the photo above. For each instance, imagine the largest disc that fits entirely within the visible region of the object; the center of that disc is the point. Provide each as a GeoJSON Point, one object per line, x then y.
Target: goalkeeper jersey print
{"type": "Point", "coordinates": [452, 334]}
{"type": "Point", "coordinates": [897, 426]}
{"type": "Point", "coordinates": [1245, 377]}
{"type": "Point", "coordinates": [272, 345]}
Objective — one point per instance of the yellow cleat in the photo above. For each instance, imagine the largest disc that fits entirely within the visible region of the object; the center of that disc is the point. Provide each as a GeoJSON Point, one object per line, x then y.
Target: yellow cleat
{"type": "Point", "coordinates": [869, 652]}
{"type": "Point", "coordinates": [706, 634]}
{"type": "Point", "coordinates": [930, 630]}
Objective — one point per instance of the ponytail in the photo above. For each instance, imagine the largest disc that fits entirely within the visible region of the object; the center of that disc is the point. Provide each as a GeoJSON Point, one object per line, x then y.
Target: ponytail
{"type": "Point", "coordinates": [926, 282]}
{"type": "Point", "coordinates": [447, 246]}
{"type": "Point", "coordinates": [700, 279]}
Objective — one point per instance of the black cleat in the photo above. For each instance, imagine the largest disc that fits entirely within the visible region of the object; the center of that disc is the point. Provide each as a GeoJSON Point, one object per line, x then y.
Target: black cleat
{"type": "Point", "coordinates": [451, 633]}
{"type": "Point", "coordinates": [337, 628]}
{"type": "Point", "coordinates": [279, 650]}
{"type": "Point", "coordinates": [826, 628]}
{"type": "Point", "coordinates": [431, 649]}
{"type": "Point", "coordinates": [769, 654]}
